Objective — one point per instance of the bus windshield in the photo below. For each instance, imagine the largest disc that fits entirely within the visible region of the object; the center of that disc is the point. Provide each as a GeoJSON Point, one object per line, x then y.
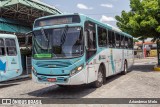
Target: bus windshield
{"type": "Point", "coordinates": [64, 42]}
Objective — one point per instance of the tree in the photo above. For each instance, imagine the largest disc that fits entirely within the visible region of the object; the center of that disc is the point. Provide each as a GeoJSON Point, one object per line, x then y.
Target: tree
{"type": "Point", "coordinates": [135, 40]}
{"type": "Point", "coordinates": [142, 21]}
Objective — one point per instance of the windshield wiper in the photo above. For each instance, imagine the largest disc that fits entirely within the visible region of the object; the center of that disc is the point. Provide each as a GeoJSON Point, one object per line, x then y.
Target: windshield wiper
{"type": "Point", "coordinates": [44, 34]}
{"type": "Point", "coordinates": [63, 36]}
{"type": "Point", "coordinates": [46, 37]}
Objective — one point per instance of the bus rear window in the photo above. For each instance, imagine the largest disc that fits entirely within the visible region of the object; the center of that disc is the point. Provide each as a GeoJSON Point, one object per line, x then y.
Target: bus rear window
{"type": "Point", "coordinates": [57, 20]}
{"type": "Point", "coordinates": [11, 47]}
{"type": "Point", "coordinates": [2, 49]}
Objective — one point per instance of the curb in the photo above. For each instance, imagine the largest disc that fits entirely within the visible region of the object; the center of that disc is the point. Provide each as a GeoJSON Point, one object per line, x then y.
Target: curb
{"type": "Point", "coordinates": [156, 68]}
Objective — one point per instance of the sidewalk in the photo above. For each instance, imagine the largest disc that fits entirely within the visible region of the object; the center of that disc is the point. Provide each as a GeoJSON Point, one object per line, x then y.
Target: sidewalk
{"type": "Point", "coordinates": [149, 59]}
{"type": "Point", "coordinates": [153, 59]}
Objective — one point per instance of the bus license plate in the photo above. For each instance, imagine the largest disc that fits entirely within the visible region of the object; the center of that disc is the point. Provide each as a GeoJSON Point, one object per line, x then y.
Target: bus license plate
{"type": "Point", "coordinates": [51, 79]}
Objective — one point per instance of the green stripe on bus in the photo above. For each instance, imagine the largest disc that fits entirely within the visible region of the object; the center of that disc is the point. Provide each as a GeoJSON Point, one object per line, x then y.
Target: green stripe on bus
{"type": "Point", "coordinates": [43, 56]}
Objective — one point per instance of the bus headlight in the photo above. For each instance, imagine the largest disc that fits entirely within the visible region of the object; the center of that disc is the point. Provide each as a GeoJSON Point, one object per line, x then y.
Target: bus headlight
{"type": "Point", "coordinates": [76, 70]}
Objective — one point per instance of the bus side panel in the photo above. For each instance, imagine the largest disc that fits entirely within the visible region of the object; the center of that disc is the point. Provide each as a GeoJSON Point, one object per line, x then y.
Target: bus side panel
{"type": "Point", "coordinates": [19, 56]}
{"type": "Point", "coordinates": [13, 65]}
{"type": "Point", "coordinates": [94, 64]}
{"type": "Point", "coordinates": [104, 58]}
{"type": "Point", "coordinates": [117, 58]}
{"type": "Point", "coordinates": [92, 69]}
{"type": "Point", "coordinates": [112, 66]}
{"type": "Point", "coordinates": [14, 61]}
{"type": "Point", "coordinates": [3, 67]}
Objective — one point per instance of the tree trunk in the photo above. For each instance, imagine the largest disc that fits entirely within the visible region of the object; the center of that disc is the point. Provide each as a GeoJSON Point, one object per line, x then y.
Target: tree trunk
{"type": "Point", "coordinates": [158, 51]}
{"type": "Point", "coordinates": [143, 48]}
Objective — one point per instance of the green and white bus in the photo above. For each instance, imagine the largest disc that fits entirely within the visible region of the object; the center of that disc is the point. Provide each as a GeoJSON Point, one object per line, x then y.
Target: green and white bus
{"type": "Point", "coordinates": [73, 49]}
{"type": "Point", "coordinates": [10, 57]}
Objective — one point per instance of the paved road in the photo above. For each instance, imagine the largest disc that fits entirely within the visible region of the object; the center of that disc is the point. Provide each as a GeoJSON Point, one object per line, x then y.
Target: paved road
{"type": "Point", "coordinates": [141, 82]}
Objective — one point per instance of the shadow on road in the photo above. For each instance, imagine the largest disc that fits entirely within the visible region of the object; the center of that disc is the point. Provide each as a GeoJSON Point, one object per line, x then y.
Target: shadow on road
{"type": "Point", "coordinates": [15, 81]}
{"type": "Point", "coordinates": [143, 68]}
{"type": "Point", "coordinates": [10, 83]}
{"type": "Point", "coordinates": [69, 92]}
{"type": "Point", "coordinates": [59, 92]}
{"type": "Point", "coordinates": [6, 85]}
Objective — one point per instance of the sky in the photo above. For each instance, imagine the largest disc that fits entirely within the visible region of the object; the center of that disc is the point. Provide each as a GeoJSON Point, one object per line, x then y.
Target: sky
{"type": "Point", "coordinates": [102, 10]}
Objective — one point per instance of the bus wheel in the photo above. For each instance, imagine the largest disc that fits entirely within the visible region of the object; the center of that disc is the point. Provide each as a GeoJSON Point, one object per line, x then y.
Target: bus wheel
{"type": "Point", "coordinates": [125, 68]}
{"type": "Point", "coordinates": [100, 77]}
{"type": "Point", "coordinates": [64, 86]}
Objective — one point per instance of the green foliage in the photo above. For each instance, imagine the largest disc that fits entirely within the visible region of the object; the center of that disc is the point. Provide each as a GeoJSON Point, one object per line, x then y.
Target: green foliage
{"type": "Point", "coordinates": [143, 20]}
{"type": "Point", "coordinates": [135, 40]}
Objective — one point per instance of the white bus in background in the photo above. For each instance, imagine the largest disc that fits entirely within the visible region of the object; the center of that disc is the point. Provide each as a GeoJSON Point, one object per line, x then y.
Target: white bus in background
{"type": "Point", "coordinates": [10, 57]}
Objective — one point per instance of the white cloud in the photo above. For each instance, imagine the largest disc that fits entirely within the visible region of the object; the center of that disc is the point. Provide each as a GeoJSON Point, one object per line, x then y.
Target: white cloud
{"type": "Point", "coordinates": [36, 0]}
{"type": "Point", "coordinates": [82, 6]}
{"type": "Point", "coordinates": [107, 5]}
{"type": "Point", "coordinates": [107, 19]}
{"type": "Point", "coordinates": [57, 5]}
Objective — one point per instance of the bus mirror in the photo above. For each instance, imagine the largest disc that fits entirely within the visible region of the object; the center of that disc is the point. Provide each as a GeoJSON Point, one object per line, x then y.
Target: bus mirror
{"type": "Point", "coordinates": [27, 37]}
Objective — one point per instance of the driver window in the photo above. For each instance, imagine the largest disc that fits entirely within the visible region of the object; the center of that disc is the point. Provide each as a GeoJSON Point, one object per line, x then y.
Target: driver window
{"type": "Point", "coordinates": [91, 35]}
{"type": "Point", "coordinates": [91, 39]}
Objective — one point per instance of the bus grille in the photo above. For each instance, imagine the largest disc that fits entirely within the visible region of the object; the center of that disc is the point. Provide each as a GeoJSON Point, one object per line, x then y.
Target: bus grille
{"type": "Point", "coordinates": [53, 64]}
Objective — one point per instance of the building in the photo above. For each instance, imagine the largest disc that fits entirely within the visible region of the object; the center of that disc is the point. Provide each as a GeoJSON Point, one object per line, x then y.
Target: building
{"type": "Point", "coordinates": [17, 17]}
{"type": "Point", "coordinates": [149, 49]}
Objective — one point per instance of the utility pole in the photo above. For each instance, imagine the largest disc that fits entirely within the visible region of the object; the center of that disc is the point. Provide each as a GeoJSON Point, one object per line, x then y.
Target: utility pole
{"type": "Point", "coordinates": [158, 51]}
{"type": "Point", "coordinates": [143, 49]}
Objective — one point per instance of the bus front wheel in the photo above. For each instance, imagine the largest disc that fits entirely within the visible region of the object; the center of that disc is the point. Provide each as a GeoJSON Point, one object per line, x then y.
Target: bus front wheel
{"type": "Point", "coordinates": [100, 78]}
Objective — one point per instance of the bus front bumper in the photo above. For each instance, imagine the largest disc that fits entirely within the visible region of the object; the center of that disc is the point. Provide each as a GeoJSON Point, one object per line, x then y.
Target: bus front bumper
{"type": "Point", "coordinates": [76, 79]}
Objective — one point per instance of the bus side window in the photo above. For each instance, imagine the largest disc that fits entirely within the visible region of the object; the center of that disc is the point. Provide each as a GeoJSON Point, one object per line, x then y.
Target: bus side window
{"type": "Point", "coordinates": [126, 42]}
{"type": "Point", "coordinates": [122, 41]}
{"type": "Point", "coordinates": [102, 37]}
{"type": "Point", "coordinates": [11, 47]}
{"type": "Point", "coordinates": [2, 49]}
{"type": "Point", "coordinates": [111, 39]}
{"type": "Point", "coordinates": [118, 40]}
{"type": "Point", "coordinates": [91, 39]}
{"type": "Point", "coordinates": [130, 43]}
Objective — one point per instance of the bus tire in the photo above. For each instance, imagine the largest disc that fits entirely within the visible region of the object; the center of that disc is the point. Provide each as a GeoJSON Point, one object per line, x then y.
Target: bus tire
{"type": "Point", "coordinates": [125, 68]}
{"type": "Point", "coordinates": [64, 86]}
{"type": "Point", "coordinates": [100, 78]}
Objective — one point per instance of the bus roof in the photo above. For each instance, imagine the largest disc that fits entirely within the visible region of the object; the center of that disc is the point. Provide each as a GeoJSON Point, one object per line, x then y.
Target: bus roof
{"type": "Point", "coordinates": [82, 15]}
{"type": "Point", "coordinates": [8, 36]}
{"type": "Point", "coordinates": [108, 26]}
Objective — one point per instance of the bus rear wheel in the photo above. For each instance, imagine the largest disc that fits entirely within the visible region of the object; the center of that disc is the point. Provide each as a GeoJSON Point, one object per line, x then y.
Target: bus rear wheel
{"type": "Point", "coordinates": [125, 68]}
{"type": "Point", "coordinates": [63, 86]}
{"type": "Point", "coordinates": [100, 78]}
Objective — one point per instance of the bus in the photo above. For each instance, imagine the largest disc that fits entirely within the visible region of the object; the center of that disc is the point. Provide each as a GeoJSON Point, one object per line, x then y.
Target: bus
{"type": "Point", "coordinates": [73, 49]}
{"type": "Point", "coordinates": [10, 57]}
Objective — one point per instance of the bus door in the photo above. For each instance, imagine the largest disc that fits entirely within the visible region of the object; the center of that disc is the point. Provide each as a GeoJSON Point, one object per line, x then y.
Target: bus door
{"type": "Point", "coordinates": [2, 58]}
{"type": "Point", "coordinates": [90, 51]}
{"type": "Point", "coordinates": [12, 56]}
